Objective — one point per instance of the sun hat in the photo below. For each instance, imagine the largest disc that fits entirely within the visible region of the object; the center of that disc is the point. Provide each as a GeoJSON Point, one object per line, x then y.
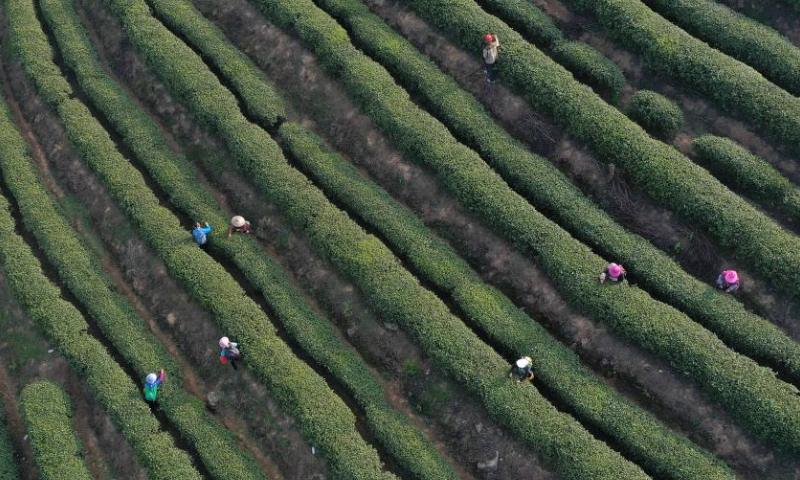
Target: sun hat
{"type": "Point", "coordinates": [224, 342]}
{"type": "Point", "coordinates": [731, 276]}
{"type": "Point", "coordinates": [489, 38]}
{"type": "Point", "coordinates": [151, 378]}
{"type": "Point", "coordinates": [523, 362]}
{"type": "Point", "coordinates": [238, 221]}
{"type": "Point", "coordinates": [614, 270]}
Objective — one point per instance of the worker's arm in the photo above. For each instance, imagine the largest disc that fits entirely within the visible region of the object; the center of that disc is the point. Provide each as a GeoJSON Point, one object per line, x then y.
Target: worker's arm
{"type": "Point", "coordinates": [230, 231]}
{"type": "Point", "coordinates": [161, 378]}
{"type": "Point", "coordinates": [496, 41]}
{"type": "Point", "coordinates": [206, 229]}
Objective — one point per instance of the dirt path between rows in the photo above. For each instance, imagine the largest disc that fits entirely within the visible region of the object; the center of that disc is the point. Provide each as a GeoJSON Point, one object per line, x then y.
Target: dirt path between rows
{"type": "Point", "coordinates": [94, 211]}
{"type": "Point", "coordinates": [28, 358]}
{"type": "Point", "coordinates": [701, 118]}
{"type": "Point", "coordinates": [365, 146]}
{"type": "Point", "coordinates": [264, 217]}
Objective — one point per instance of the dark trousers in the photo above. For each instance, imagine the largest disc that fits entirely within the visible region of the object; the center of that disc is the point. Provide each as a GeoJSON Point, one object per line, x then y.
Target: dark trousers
{"type": "Point", "coordinates": [489, 72]}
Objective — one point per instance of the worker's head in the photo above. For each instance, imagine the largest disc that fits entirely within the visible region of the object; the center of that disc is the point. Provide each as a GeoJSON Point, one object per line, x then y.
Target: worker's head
{"type": "Point", "coordinates": [224, 342]}
{"type": "Point", "coordinates": [151, 378]}
{"type": "Point", "coordinates": [196, 224]}
{"type": "Point", "coordinates": [523, 362]}
{"type": "Point", "coordinates": [238, 221]}
{"type": "Point", "coordinates": [489, 38]}
{"type": "Point", "coordinates": [731, 276]}
{"type": "Point", "coordinates": [614, 270]}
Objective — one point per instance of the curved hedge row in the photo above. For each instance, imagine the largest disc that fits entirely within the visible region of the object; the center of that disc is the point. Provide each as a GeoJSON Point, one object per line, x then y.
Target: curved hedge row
{"type": "Point", "coordinates": [77, 268]}
{"type": "Point", "coordinates": [733, 163]}
{"type": "Point", "coordinates": [176, 177]}
{"type": "Point", "coordinates": [551, 192]}
{"type": "Point", "coordinates": [655, 113]}
{"type": "Point", "coordinates": [47, 414]}
{"type": "Point", "coordinates": [691, 349]}
{"type": "Point", "coordinates": [263, 102]}
{"type": "Point", "coordinates": [732, 85]}
{"type": "Point", "coordinates": [66, 329]}
{"type": "Point", "coordinates": [322, 416]}
{"type": "Point", "coordinates": [655, 168]}
{"type": "Point", "coordinates": [590, 66]}
{"type": "Point", "coordinates": [8, 463]}
{"type": "Point", "coordinates": [637, 434]}
{"type": "Point", "coordinates": [528, 18]}
{"type": "Point", "coordinates": [745, 39]}
{"type": "Point", "coordinates": [392, 290]}
{"type": "Point", "coordinates": [581, 59]}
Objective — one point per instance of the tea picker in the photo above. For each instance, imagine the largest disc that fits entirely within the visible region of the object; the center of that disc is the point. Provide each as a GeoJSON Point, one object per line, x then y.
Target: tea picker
{"type": "Point", "coordinates": [522, 369]}
{"type": "Point", "coordinates": [200, 233]}
{"type": "Point", "coordinates": [490, 54]}
{"type": "Point", "coordinates": [613, 273]}
{"type": "Point", "coordinates": [238, 225]}
{"type": "Point", "coordinates": [151, 384]}
{"type": "Point", "coordinates": [230, 352]}
{"type": "Point", "coordinates": [728, 281]}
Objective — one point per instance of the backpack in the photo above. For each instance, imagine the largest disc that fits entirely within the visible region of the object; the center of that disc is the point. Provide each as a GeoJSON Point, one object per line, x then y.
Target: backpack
{"type": "Point", "coordinates": [150, 393]}
{"type": "Point", "coordinates": [199, 236]}
{"type": "Point", "coordinates": [233, 353]}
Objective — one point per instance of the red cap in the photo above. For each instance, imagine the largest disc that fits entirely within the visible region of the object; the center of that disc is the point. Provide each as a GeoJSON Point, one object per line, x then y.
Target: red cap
{"type": "Point", "coordinates": [489, 38]}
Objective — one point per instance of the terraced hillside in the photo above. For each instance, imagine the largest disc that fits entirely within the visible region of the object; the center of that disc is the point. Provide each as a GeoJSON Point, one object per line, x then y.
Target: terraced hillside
{"type": "Point", "coordinates": [415, 229]}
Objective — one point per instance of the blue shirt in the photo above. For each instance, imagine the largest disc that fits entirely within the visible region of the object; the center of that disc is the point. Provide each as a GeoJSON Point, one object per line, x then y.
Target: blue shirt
{"type": "Point", "coordinates": [200, 234]}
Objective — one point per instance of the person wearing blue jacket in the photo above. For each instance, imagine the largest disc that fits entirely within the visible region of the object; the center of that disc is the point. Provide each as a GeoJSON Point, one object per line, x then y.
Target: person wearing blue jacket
{"type": "Point", "coordinates": [200, 233]}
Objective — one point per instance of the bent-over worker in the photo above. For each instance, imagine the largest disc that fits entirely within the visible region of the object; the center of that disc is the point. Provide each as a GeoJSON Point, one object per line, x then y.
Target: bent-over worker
{"type": "Point", "coordinates": [614, 273]}
{"type": "Point", "coordinates": [728, 281]}
{"type": "Point", "coordinates": [239, 225]}
{"type": "Point", "coordinates": [522, 369]}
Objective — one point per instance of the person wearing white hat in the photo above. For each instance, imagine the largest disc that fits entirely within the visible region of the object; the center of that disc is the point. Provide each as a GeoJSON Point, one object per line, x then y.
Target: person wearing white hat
{"type": "Point", "coordinates": [230, 352]}
{"type": "Point", "coordinates": [522, 369]}
{"type": "Point", "coordinates": [151, 384]}
{"type": "Point", "coordinates": [238, 224]}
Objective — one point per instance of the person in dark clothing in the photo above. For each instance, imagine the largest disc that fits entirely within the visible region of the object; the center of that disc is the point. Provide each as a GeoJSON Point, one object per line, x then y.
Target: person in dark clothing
{"type": "Point", "coordinates": [230, 352]}
{"type": "Point", "coordinates": [523, 370]}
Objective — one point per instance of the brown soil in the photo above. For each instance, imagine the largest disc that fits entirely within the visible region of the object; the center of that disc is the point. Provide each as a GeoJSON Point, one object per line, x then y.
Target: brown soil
{"type": "Point", "coordinates": [777, 15]}
{"type": "Point", "coordinates": [97, 212]}
{"type": "Point", "coordinates": [456, 423]}
{"type": "Point", "coordinates": [688, 245]}
{"type": "Point", "coordinates": [27, 358]}
{"type": "Point", "coordinates": [269, 225]}
{"type": "Point", "coordinates": [699, 256]}
{"type": "Point", "coordinates": [368, 149]}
